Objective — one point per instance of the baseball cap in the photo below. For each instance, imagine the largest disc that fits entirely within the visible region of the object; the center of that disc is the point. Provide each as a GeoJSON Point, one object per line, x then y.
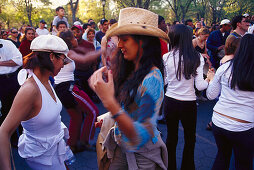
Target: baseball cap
{"type": "Point", "coordinates": [77, 26]}
{"type": "Point", "coordinates": [77, 23]}
{"type": "Point", "coordinates": [246, 15]}
{"type": "Point", "coordinates": [43, 21]}
{"type": "Point", "coordinates": [103, 21]}
{"type": "Point", "coordinates": [225, 21]}
{"type": "Point", "coordinates": [50, 43]}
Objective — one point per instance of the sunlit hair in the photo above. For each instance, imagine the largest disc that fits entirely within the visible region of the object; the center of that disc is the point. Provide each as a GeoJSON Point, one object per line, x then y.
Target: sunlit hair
{"type": "Point", "coordinates": [243, 65]}
{"type": "Point", "coordinates": [231, 45]}
{"type": "Point", "coordinates": [90, 30]}
{"type": "Point", "coordinates": [203, 31]}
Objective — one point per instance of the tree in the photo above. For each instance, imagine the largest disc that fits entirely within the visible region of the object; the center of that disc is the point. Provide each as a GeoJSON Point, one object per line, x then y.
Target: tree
{"type": "Point", "coordinates": [180, 8]}
{"type": "Point", "coordinates": [238, 7]}
{"type": "Point", "coordinates": [29, 9]}
{"type": "Point", "coordinates": [201, 7]}
{"type": "Point", "coordinates": [216, 7]}
{"type": "Point", "coordinates": [133, 3]}
{"type": "Point", "coordinates": [74, 7]}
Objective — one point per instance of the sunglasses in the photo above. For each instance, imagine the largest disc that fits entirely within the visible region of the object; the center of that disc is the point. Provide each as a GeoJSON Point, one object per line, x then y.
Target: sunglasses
{"type": "Point", "coordinates": [14, 32]}
{"type": "Point", "coordinates": [65, 59]}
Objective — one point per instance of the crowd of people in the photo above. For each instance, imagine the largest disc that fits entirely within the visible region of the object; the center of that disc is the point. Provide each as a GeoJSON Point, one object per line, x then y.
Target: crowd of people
{"type": "Point", "coordinates": [144, 72]}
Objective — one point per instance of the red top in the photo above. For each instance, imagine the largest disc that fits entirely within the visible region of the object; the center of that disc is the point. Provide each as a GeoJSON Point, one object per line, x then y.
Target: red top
{"type": "Point", "coordinates": [24, 48]}
{"type": "Point", "coordinates": [164, 47]}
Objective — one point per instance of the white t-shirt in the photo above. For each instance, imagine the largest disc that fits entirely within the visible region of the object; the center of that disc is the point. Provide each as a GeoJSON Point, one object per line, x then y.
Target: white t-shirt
{"type": "Point", "coordinates": [234, 103]}
{"type": "Point", "coordinates": [9, 52]}
{"type": "Point", "coordinates": [42, 31]}
{"type": "Point", "coordinates": [183, 89]}
{"type": "Point", "coordinates": [66, 73]}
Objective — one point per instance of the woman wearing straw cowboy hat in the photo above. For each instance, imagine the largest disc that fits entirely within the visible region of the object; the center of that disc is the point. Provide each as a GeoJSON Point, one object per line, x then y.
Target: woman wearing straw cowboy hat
{"type": "Point", "coordinates": [133, 92]}
{"type": "Point", "coordinates": [37, 108]}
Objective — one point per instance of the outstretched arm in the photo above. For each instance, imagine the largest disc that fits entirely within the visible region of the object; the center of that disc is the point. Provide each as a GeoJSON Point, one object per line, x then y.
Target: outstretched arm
{"type": "Point", "coordinates": [84, 60]}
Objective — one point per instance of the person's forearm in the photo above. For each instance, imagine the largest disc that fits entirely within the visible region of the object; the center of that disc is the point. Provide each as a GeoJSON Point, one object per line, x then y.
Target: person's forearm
{"type": "Point", "coordinates": [4, 152]}
{"type": "Point", "coordinates": [9, 63]}
{"type": "Point", "coordinates": [84, 60]}
{"type": "Point", "coordinates": [124, 121]}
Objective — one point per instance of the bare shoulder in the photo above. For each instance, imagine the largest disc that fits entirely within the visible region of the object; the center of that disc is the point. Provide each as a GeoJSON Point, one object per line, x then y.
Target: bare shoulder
{"type": "Point", "coordinates": [194, 42]}
{"type": "Point", "coordinates": [29, 89]}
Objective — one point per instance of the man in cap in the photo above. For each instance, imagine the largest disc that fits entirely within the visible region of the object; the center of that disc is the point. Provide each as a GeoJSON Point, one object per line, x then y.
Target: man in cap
{"type": "Point", "coordinates": [216, 42]}
{"type": "Point", "coordinates": [42, 30]}
{"type": "Point", "coordinates": [102, 32]}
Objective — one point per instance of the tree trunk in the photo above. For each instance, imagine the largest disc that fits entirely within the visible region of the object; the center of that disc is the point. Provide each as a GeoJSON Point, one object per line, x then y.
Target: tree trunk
{"type": "Point", "coordinates": [74, 6]}
{"type": "Point", "coordinates": [139, 3]}
{"type": "Point", "coordinates": [29, 8]}
{"type": "Point", "coordinates": [183, 13]}
{"type": "Point", "coordinates": [146, 4]}
{"type": "Point", "coordinates": [214, 15]}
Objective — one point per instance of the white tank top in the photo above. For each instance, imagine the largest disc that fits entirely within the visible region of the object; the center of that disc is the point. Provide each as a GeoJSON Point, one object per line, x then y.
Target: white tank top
{"type": "Point", "coordinates": [43, 134]}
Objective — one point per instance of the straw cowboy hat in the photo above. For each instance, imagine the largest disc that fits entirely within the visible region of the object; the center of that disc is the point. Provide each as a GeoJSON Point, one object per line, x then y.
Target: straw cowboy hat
{"type": "Point", "coordinates": [137, 21]}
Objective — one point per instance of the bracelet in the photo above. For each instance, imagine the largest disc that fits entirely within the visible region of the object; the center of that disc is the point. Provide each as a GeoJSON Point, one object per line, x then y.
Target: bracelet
{"type": "Point", "coordinates": [120, 112]}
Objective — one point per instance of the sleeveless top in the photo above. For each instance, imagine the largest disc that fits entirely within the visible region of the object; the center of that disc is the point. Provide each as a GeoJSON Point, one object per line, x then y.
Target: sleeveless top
{"type": "Point", "coordinates": [201, 50]}
{"type": "Point", "coordinates": [43, 134]}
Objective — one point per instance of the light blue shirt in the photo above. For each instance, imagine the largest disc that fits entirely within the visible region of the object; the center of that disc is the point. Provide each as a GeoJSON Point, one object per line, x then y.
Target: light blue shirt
{"type": "Point", "coordinates": [146, 104]}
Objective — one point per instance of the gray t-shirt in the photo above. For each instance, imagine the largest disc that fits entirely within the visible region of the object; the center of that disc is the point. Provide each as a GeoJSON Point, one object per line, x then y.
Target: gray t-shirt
{"type": "Point", "coordinates": [57, 19]}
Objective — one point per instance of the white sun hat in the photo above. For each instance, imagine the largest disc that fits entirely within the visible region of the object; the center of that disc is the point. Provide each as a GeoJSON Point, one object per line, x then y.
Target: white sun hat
{"type": "Point", "coordinates": [50, 43]}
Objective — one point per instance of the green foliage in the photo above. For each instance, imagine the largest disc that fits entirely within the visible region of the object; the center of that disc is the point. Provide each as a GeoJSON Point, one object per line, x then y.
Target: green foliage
{"type": "Point", "coordinates": [91, 9]}
{"type": "Point", "coordinates": [132, 3]}
{"type": "Point", "coordinates": [238, 7]}
{"type": "Point", "coordinates": [13, 13]}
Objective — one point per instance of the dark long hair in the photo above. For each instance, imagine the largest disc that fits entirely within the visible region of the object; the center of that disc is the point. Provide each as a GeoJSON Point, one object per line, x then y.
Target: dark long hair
{"type": "Point", "coordinates": [39, 59]}
{"type": "Point", "coordinates": [128, 80]}
{"type": "Point", "coordinates": [243, 65]}
{"type": "Point", "coordinates": [26, 30]}
{"type": "Point", "coordinates": [189, 59]}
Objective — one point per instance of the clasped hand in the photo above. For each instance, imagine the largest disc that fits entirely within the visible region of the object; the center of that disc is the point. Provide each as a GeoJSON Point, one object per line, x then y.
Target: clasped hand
{"type": "Point", "coordinates": [104, 89]}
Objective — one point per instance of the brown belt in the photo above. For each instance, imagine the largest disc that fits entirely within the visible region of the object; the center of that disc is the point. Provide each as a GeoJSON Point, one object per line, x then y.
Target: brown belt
{"type": "Point", "coordinates": [238, 120]}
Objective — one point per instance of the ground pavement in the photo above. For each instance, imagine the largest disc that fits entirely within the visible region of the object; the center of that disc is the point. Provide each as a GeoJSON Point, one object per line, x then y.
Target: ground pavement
{"type": "Point", "coordinates": [205, 150]}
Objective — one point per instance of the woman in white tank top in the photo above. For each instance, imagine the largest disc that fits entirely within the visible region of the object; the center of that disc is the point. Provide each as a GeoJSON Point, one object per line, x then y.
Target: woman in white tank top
{"type": "Point", "coordinates": [37, 108]}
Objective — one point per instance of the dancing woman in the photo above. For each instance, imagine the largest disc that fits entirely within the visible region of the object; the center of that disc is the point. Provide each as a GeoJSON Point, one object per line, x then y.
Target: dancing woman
{"type": "Point", "coordinates": [233, 114]}
{"type": "Point", "coordinates": [135, 93]}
